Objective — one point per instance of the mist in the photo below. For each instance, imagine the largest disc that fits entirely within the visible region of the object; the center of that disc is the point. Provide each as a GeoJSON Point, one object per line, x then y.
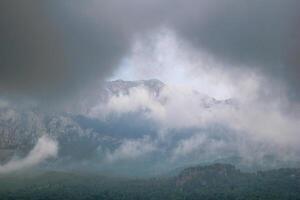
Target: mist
{"type": "Point", "coordinates": [44, 149]}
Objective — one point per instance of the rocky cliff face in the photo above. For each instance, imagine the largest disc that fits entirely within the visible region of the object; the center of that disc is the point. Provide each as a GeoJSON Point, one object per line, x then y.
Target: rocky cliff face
{"type": "Point", "coordinates": [119, 87]}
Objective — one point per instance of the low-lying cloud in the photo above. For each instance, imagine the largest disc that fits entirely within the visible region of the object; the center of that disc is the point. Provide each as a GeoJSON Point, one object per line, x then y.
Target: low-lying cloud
{"type": "Point", "coordinates": [131, 150]}
{"type": "Point", "coordinates": [44, 149]}
{"type": "Point", "coordinates": [198, 143]}
{"type": "Point", "coordinates": [224, 128]}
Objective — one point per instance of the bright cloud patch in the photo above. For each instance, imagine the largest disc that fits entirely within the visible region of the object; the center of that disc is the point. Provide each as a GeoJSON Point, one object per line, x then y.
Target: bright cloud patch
{"type": "Point", "coordinates": [131, 149]}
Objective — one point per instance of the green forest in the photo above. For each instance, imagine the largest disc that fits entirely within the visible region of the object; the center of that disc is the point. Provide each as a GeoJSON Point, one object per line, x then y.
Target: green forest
{"type": "Point", "coordinates": [217, 181]}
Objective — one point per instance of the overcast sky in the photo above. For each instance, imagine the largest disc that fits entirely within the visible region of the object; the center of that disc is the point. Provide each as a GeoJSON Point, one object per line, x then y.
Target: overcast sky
{"type": "Point", "coordinates": [53, 47]}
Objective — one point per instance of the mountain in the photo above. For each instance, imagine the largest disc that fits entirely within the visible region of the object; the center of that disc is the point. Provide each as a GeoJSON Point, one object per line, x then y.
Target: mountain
{"type": "Point", "coordinates": [20, 127]}
{"type": "Point", "coordinates": [117, 87]}
{"type": "Point", "coordinates": [116, 130]}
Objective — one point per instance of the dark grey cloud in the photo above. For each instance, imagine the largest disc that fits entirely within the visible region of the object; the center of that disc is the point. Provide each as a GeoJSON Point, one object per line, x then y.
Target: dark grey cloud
{"type": "Point", "coordinates": [51, 47]}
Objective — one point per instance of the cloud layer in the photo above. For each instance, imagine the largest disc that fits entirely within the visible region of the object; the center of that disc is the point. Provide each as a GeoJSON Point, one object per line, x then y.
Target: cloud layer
{"type": "Point", "coordinates": [195, 126]}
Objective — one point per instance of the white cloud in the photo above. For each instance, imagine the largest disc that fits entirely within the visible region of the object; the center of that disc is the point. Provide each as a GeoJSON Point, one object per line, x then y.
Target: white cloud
{"type": "Point", "coordinates": [165, 56]}
{"type": "Point", "coordinates": [198, 143]}
{"type": "Point", "coordinates": [138, 99]}
{"type": "Point", "coordinates": [189, 145]}
{"type": "Point", "coordinates": [181, 107]}
{"type": "Point", "coordinates": [44, 149]}
{"type": "Point", "coordinates": [131, 149]}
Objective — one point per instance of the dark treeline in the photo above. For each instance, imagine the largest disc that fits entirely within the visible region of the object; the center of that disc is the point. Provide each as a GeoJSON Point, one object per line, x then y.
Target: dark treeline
{"type": "Point", "coordinates": [216, 181]}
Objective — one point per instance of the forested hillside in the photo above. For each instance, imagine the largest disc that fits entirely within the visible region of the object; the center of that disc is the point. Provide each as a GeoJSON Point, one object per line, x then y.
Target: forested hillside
{"type": "Point", "coordinates": [218, 181]}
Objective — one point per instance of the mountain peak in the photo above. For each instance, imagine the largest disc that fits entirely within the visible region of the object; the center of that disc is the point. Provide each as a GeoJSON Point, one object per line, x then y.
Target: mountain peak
{"type": "Point", "coordinates": [121, 86]}
{"type": "Point", "coordinates": [144, 81]}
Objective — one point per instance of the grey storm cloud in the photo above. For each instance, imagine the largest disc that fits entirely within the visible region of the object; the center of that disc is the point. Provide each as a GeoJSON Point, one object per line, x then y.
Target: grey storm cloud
{"type": "Point", "coordinates": [50, 47]}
